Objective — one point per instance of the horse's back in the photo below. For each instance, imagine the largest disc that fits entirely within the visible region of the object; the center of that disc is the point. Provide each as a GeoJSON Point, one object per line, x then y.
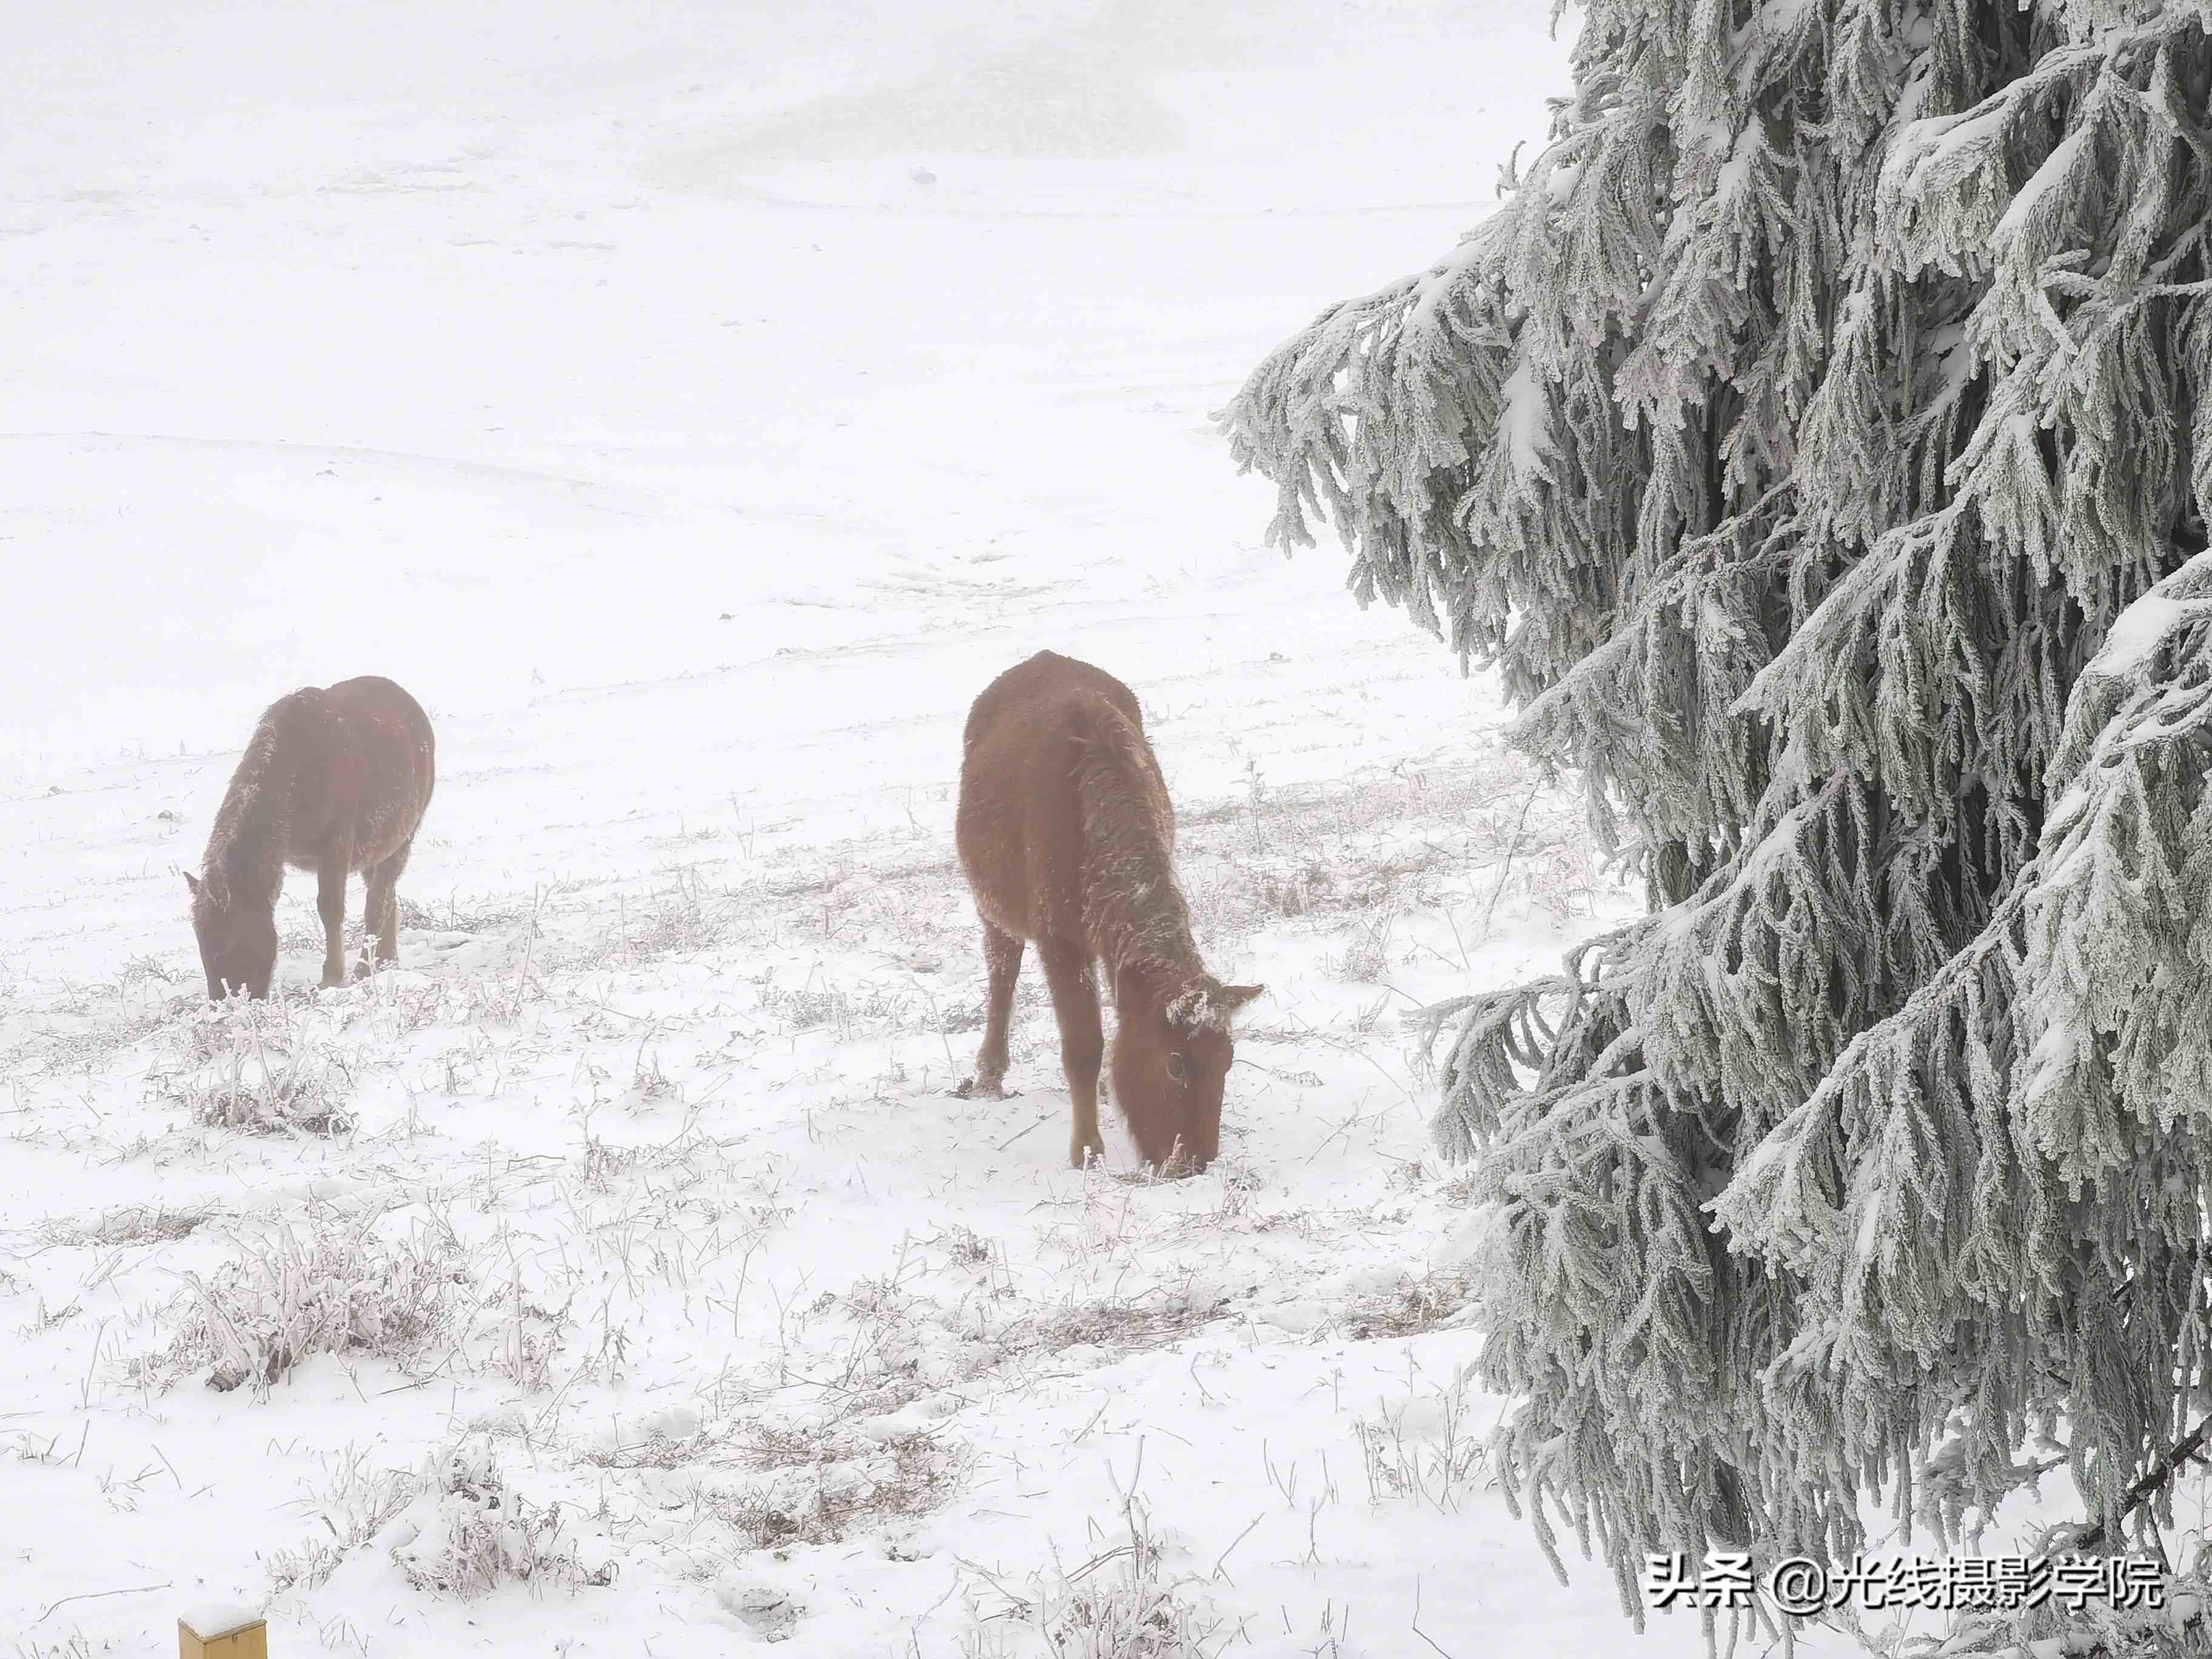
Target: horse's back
{"type": "Point", "coordinates": [1020, 826]}
{"type": "Point", "coordinates": [373, 698]}
{"type": "Point", "coordinates": [1031, 696]}
{"type": "Point", "coordinates": [379, 764]}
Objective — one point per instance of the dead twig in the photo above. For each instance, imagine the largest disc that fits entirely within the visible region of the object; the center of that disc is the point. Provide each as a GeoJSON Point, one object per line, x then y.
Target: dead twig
{"type": "Point", "coordinates": [1506, 867]}
{"type": "Point", "coordinates": [95, 1595]}
{"type": "Point", "coordinates": [2143, 1489]}
{"type": "Point", "coordinates": [1418, 1631]}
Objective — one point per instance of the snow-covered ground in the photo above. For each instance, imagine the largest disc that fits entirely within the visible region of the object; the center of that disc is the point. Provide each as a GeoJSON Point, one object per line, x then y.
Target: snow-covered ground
{"type": "Point", "coordinates": [694, 406]}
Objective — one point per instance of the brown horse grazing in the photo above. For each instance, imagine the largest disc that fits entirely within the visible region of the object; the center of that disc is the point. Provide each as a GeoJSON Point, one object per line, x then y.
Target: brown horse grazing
{"type": "Point", "coordinates": [1067, 837]}
{"type": "Point", "coordinates": [334, 780]}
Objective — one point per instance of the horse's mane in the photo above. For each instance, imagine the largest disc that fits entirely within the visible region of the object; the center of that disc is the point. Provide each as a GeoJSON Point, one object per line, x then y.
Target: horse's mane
{"type": "Point", "coordinates": [1134, 913]}
{"type": "Point", "coordinates": [245, 849]}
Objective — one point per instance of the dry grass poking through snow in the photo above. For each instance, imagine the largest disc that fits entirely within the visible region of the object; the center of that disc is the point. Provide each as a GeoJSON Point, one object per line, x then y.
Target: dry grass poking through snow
{"type": "Point", "coordinates": [825, 1480]}
{"type": "Point", "coordinates": [130, 1224]}
{"type": "Point", "coordinates": [1428, 1447]}
{"type": "Point", "coordinates": [480, 1533]}
{"type": "Point", "coordinates": [1120, 1603]}
{"type": "Point", "coordinates": [355, 1502]}
{"type": "Point", "coordinates": [660, 1187]}
{"type": "Point", "coordinates": [334, 1288]}
{"type": "Point", "coordinates": [1466, 840]}
{"type": "Point", "coordinates": [260, 1066]}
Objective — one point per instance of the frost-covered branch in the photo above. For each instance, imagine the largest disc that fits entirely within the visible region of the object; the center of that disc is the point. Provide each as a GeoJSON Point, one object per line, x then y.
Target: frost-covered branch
{"type": "Point", "coordinates": [1818, 440]}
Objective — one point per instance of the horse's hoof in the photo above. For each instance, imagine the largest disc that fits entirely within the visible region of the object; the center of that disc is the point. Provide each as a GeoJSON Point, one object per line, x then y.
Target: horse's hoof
{"type": "Point", "coordinates": [974, 1090]}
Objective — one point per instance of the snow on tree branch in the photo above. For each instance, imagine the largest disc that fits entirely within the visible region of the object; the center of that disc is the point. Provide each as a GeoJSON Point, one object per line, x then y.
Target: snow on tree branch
{"type": "Point", "coordinates": [1817, 440]}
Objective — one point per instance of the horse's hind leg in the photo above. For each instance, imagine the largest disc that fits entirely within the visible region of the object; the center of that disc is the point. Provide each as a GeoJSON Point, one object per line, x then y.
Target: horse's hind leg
{"type": "Point", "coordinates": [383, 918]}
{"type": "Point", "coordinates": [1082, 1040]}
{"type": "Point", "coordinates": [331, 872]}
{"type": "Point", "coordinates": [1002, 961]}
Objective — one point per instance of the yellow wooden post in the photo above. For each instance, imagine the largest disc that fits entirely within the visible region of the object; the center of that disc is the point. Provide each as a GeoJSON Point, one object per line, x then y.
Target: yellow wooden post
{"type": "Point", "coordinates": [222, 1633]}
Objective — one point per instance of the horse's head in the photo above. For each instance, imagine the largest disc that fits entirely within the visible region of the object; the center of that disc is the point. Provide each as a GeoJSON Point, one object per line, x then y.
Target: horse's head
{"type": "Point", "coordinates": [1172, 1047]}
{"type": "Point", "coordinates": [238, 942]}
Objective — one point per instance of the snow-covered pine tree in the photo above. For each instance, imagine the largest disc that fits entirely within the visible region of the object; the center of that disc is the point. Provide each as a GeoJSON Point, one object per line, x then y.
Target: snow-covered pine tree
{"type": "Point", "coordinates": [1818, 440]}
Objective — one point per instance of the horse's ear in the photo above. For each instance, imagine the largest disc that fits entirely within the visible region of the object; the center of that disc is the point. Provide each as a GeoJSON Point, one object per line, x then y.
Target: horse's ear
{"type": "Point", "coordinates": [1234, 997]}
{"type": "Point", "coordinates": [193, 881]}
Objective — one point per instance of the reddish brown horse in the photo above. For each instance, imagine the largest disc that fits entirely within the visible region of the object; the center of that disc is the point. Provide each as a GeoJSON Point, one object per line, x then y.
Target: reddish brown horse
{"type": "Point", "coordinates": [1067, 837]}
{"type": "Point", "coordinates": [334, 780]}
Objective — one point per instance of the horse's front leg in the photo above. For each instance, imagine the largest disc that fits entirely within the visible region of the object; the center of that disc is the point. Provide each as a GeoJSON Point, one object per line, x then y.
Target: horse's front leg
{"type": "Point", "coordinates": [1082, 1042]}
{"type": "Point", "coordinates": [331, 872]}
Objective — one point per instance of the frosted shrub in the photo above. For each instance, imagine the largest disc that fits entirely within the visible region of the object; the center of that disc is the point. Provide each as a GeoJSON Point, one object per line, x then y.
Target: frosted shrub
{"type": "Point", "coordinates": [1424, 1449]}
{"type": "Point", "coordinates": [353, 1507]}
{"type": "Point", "coordinates": [481, 1534]}
{"type": "Point", "coordinates": [263, 1067]}
{"type": "Point", "coordinates": [1120, 1604]}
{"type": "Point", "coordinates": [821, 1481]}
{"type": "Point", "coordinates": [341, 1289]}
{"type": "Point", "coordinates": [1818, 444]}
{"type": "Point", "coordinates": [1129, 1615]}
